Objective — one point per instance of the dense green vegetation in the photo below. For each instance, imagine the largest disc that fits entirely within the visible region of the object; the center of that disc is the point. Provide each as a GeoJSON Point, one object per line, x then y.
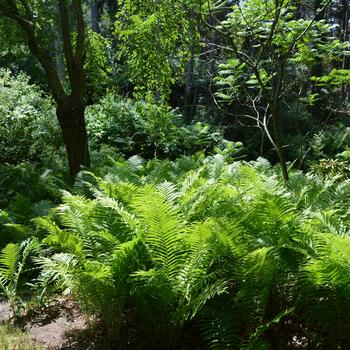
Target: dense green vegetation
{"type": "Point", "coordinates": [178, 169]}
{"type": "Point", "coordinates": [203, 240]}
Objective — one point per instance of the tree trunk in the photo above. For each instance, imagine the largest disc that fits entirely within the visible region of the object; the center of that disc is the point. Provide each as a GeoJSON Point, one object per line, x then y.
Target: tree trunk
{"type": "Point", "coordinates": [317, 71]}
{"type": "Point", "coordinates": [95, 16]}
{"type": "Point", "coordinates": [71, 118]}
{"type": "Point", "coordinates": [59, 58]}
{"type": "Point", "coordinates": [70, 108]}
{"type": "Point", "coordinates": [278, 143]}
{"type": "Point", "coordinates": [189, 96]}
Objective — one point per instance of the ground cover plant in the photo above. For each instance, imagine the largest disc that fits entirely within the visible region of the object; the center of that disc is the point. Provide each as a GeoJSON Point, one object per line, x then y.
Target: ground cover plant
{"type": "Point", "coordinates": [174, 174]}
{"type": "Point", "coordinates": [219, 245]}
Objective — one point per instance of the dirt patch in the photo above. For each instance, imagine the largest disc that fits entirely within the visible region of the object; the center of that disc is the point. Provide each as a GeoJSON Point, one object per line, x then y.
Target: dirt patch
{"type": "Point", "coordinates": [6, 313]}
{"type": "Point", "coordinates": [62, 326]}
{"type": "Point", "coordinates": [58, 327]}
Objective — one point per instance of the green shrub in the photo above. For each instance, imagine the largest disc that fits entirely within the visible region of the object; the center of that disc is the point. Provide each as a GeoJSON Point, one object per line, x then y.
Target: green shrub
{"type": "Point", "coordinates": [29, 129]}
{"type": "Point", "coordinates": [25, 192]}
{"type": "Point", "coordinates": [29, 182]}
{"type": "Point", "coordinates": [328, 143]}
{"type": "Point", "coordinates": [139, 127]}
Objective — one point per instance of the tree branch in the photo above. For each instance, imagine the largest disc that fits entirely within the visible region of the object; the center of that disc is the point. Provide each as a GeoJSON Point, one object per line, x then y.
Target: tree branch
{"type": "Point", "coordinates": [10, 10]}
{"type": "Point", "coordinates": [79, 53]}
{"type": "Point", "coordinates": [67, 40]}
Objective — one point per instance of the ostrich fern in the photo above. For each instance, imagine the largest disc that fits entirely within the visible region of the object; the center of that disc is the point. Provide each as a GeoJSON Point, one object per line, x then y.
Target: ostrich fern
{"type": "Point", "coordinates": [12, 264]}
{"type": "Point", "coordinates": [229, 247]}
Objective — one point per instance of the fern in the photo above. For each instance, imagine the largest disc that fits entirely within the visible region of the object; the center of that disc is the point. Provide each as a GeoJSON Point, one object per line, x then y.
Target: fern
{"type": "Point", "coordinates": [12, 263]}
{"type": "Point", "coordinates": [163, 229]}
{"type": "Point", "coordinates": [9, 260]}
{"type": "Point", "coordinates": [95, 263]}
{"type": "Point", "coordinates": [225, 246]}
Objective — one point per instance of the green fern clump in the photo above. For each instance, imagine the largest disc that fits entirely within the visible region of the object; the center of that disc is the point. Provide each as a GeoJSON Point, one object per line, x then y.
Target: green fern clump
{"type": "Point", "coordinates": [13, 259]}
{"type": "Point", "coordinates": [325, 287]}
{"type": "Point", "coordinates": [178, 283]}
{"type": "Point", "coordinates": [225, 246]}
{"type": "Point", "coordinates": [93, 255]}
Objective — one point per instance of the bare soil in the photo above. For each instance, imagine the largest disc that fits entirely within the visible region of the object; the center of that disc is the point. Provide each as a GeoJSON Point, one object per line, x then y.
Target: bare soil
{"type": "Point", "coordinates": [59, 327]}
{"type": "Point", "coordinates": [62, 326]}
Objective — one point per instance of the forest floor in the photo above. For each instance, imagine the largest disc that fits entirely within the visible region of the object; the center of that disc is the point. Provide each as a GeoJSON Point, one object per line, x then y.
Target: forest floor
{"type": "Point", "coordinates": [62, 326]}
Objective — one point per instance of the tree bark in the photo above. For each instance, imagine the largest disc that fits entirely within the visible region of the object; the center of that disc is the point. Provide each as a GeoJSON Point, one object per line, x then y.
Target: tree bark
{"type": "Point", "coordinates": [95, 16]}
{"type": "Point", "coordinates": [273, 105]}
{"type": "Point", "coordinates": [70, 107]}
{"type": "Point", "coordinates": [278, 143]}
{"type": "Point", "coordinates": [70, 114]}
{"type": "Point", "coordinates": [59, 58]}
{"type": "Point", "coordinates": [189, 95]}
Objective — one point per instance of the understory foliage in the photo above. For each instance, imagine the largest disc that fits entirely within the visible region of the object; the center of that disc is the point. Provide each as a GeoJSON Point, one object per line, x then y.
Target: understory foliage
{"type": "Point", "coordinates": [28, 129]}
{"type": "Point", "coordinates": [151, 130]}
{"type": "Point", "coordinates": [116, 125]}
{"type": "Point", "coordinates": [177, 234]}
{"type": "Point", "coordinates": [224, 246]}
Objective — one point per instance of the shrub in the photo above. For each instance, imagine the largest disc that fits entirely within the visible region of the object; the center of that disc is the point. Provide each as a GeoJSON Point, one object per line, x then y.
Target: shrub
{"type": "Point", "coordinates": [328, 143]}
{"type": "Point", "coordinates": [139, 127]}
{"type": "Point", "coordinates": [331, 168]}
{"type": "Point", "coordinates": [28, 126]}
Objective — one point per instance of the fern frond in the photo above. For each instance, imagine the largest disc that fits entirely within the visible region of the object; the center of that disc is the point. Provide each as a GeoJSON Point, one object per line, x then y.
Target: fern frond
{"type": "Point", "coordinates": [60, 269]}
{"type": "Point", "coordinates": [207, 293]}
{"type": "Point", "coordinates": [65, 240]}
{"type": "Point", "coordinates": [219, 326]}
{"type": "Point", "coordinates": [331, 266]}
{"type": "Point", "coordinates": [255, 337]}
{"type": "Point", "coordinates": [128, 218]}
{"type": "Point", "coordinates": [42, 208]}
{"type": "Point", "coordinates": [190, 181]}
{"type": "Point", "coordinates": [9, 259]}
{"type": "Point", "coordinates": [163, 229]}
{"type": "Point", "coordinates": [12, 260]}
{"type": "Point", "coordinates": [169, 191]}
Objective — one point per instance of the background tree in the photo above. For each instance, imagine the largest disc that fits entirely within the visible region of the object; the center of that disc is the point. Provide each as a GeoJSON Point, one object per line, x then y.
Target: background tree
{"type": "Point", "coordinates": [158, 40]}
{"type": "Point", "coordinates": [264, 44]}
{"type": "Point", "coordinates": [39, 21]}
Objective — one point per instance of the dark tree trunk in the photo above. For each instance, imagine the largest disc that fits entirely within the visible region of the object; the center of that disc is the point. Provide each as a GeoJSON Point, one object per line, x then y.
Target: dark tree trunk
{"type": "Point", "coordinates": [317, 71]}
{"type": "Point", "coordinates": [59, 58]}
{"type": "Point", "coordinates": [71, 118]}
{"type": "Point", "coordinates": [95, 16]}
{"type": "Point", "coordinates": [70, 107]}
{"type": "Point", "coordinates": [189, 93]}
{"type": "Point", "coordinates": [278, 143]}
